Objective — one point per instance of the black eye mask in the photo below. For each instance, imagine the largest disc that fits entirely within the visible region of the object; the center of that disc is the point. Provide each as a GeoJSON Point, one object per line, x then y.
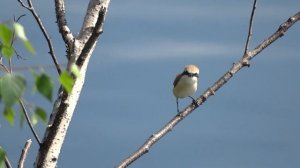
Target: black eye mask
{"type": "Point", "coordinates": [190, 74]}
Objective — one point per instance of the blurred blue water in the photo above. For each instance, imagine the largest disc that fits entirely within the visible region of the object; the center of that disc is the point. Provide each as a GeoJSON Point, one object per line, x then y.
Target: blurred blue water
{"type": "Point", "coordinates": [251, 122]}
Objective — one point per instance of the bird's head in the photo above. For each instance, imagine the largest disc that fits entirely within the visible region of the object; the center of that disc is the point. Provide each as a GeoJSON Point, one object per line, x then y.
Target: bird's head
{"type": "Point", "coordinates": [191, 70]}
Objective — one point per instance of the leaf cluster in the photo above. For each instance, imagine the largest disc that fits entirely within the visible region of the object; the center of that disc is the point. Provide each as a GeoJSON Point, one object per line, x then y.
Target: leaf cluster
{"type": "Point", "coordinates": [13, 86]}
{"type": "Point", "coordinates": [7, 36]}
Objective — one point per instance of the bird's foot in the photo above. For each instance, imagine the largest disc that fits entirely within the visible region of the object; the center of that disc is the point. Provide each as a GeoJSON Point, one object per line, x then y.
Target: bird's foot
{"type": "Point", "coordinates": [194, 101]}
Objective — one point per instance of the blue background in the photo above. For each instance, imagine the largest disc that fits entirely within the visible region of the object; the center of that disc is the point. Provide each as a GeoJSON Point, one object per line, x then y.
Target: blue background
{"type": "Point", "coordinates": [253, 121]}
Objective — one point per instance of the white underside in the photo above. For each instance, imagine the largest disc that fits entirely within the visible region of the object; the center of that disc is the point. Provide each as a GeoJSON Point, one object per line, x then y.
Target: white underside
{"type": "Point", "coordinates": [185, 87]}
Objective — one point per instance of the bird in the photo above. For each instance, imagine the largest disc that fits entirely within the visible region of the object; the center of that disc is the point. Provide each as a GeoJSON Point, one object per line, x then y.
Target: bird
{"type": "Point", "coordinates": [186, 83]}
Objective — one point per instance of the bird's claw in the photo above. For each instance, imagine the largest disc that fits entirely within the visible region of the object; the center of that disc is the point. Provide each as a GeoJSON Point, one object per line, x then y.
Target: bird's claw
{"type": "Point", "coordinates": [194, 101]}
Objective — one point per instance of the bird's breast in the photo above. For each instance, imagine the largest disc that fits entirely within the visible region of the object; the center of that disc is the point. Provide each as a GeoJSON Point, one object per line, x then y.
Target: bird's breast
{"type": "Point", "coordinates": [186, 86]}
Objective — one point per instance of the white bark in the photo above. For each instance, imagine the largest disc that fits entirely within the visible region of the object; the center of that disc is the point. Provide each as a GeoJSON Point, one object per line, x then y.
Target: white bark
{"type": "Point", "coordinates": [52, 155]}
{"type": "Point", "coordinates": [65, 104]}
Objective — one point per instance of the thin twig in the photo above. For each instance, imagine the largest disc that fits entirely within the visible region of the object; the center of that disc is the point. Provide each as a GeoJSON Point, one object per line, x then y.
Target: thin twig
{"type": "Point", "coordinates": [4, 68]}
{"type": "Point", "coordinates": [24, 110]}
{"type": "Point", "coordinates": [41, 26]}
{"type": "Point", "coordinates": [7, 162]}
{"type": "Point", "coordinates": [24, 153]}
{"type": "Point", "coordinates": [10, 65]}
{"type": "Point", "coordinates": [11, 44]}
{"type": "Point", "coordinates": [17, 20]}
{"type": "Point", "coordinates": [28, 121]}
{"type": "Point", "coordinates": [244, 61]}
{"type": "Point", "coordinates": [250, 28]}
{"type": "Point", "coordinates": [18, 55]}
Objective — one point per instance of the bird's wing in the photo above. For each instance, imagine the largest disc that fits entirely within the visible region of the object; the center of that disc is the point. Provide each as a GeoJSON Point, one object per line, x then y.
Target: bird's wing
{"type": "Point", "coordinates": [178, 76]}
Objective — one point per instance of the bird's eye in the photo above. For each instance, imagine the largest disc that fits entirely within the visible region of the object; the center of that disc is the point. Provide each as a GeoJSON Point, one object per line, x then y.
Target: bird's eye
{"type": "Point", "coordinates": [185, 72]}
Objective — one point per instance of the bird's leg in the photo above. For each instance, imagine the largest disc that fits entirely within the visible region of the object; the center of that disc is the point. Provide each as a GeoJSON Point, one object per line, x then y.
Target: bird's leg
{"type": "Point", "coordinates": [177, 105]}
{"type": "Point", "coordinates": [194, 101]}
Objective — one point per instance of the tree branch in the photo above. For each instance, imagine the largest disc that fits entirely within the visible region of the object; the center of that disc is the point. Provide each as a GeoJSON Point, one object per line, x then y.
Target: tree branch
{"type": "Point", "coordinates": [24, 109]}
{"type": "Point", "coordinates": [17, 19]}
{"type": "Point", "coordinates": [62, 23]}
{"type": "Point", "coordinates": [91, 16]}
{"type": "Point", "coordinates": [97, 30]}
{"type": "Point", "coordinates": [5, 68]}
{"type": "Point", "coordinates": [64, 106]}
{"type": "Point", "coordinates": [15, 50]}
{"type": "Point", "coordinates": [28, 121]}
{"type": "Point", "coordinates": [243, 62]}
{"type": "Point", "coordinates": [41, 26]}
{"type": "Point", "coordinates": [24, 153]}
{"type": "Point", "coordinates": [250, 27]}
{"type": "Point", "coordinates": [7, 162]}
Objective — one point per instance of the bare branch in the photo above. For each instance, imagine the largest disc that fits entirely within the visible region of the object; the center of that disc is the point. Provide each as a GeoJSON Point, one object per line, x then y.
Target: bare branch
{"type": "Point", "coordinates": [10, 65]}
{"type": "Point", "coordinates": [13, 38]}
{"type": "Point", "coordinates": [243, 62]}
{"type": "Point", "coordinates": [22, 4]}
{"type": "Point", "coordinates": [17, 20]}
{"type": "Point", "coordinates": [28, 121]}
{"type": "Point", "coordinates": [62, 23]}
{"type": "Point", "coordinates": [90, 19]}
{"type": "Point", "coordinates": [90, 30]}
{"type": "Point", "coordinates": [93, 38]}
{"type": "Point", "coordinates": [18, 55]}
{"type": "Point", "coordinates": [24, 153]}
{"type": "Point", "coordinates": [64, 106]}
{"type": "Point", "coordinates": [41, 26]}
{"type": "Point", "coordinates": [250, 28]}
{"type": "Point", "coordinates": [7, 162]}
{"type": "Point", "coordinates": [279, 33]}
{"type": "Point", "coordinates": [5, 68]}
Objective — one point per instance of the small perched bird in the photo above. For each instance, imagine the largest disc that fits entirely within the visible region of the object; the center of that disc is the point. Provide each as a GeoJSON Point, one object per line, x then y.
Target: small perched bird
{"type": "Point", "coordinates": [185, 84]}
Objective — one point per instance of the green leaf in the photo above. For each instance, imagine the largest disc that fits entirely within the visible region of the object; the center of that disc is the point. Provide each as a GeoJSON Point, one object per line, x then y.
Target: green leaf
{"type": "Point", "coordinates": [2, 157]}
{"type": "Point", "coordinates": [34, 119]}
{"type": "Point", "coordinates": [12, 88]}
{"type": "Point", "coordinates": [7, 51]}
{"type": "Point", "coordinates": [20, 32]}
{"type": "Point", "coordinates": [44, 85]}
{"type": "Point", "coordinates": [75, 70]}
{"type": "Point", "coordinates": [5, 34]}
{"type": "Point", "coordinates": [9, 115]}
{"type": "Point", "coordinates": [29, 46]}
{"type": "Point", "coordinates": [41, 114]}
{"type": "Point", "coordinates": [66, 81]}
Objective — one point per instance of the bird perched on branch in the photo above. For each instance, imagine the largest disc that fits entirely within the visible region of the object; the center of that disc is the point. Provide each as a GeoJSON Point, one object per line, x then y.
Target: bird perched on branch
{"type": "Point", "coordinates": [185, 83]}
